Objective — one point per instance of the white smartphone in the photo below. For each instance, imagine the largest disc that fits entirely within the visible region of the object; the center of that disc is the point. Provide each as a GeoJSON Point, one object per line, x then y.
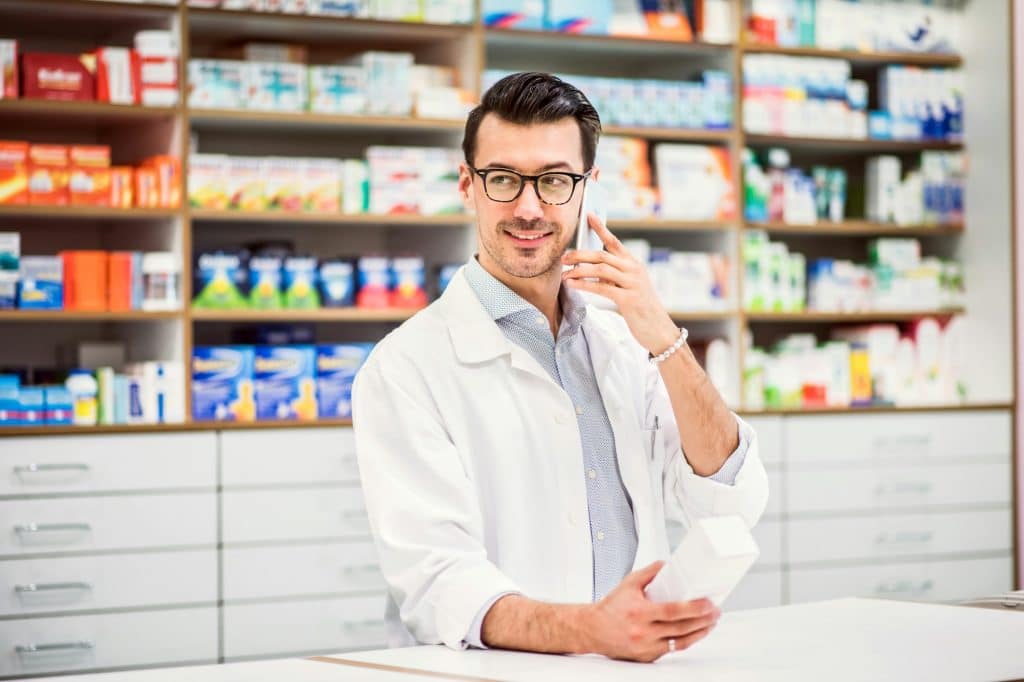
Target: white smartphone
{"type": "Point", "coordinates": [595, 200]}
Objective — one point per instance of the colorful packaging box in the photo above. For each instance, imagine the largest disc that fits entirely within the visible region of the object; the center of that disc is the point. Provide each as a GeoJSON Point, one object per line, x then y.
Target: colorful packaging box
{"type": "Point", "coordinates": [10, 268]}
{"type": "Point", "coordinates": [265, 283]}
{"type": "Point", "coordinates": [246, 184]}
{"type": "Point", "coordinates": [336, 368]}
{"type": "Point", "coordinates": [48, 175]}
{"type": "Point", "coordinates": [520, 14]}
{"type": "Point", "coordinates": [89, 183]}
{"type": "Point", "coordinates": [42, 283]}
{"type": "Point", "coordinates": [337, 89]}
{"type": "Point", "coordinates": [274, 86]}
{"type": "Point", "coordinates": [57, 76]}
{"type": "Point", "coordinates": [57, 404]}
{"type": "Point", "coordinates": [10, 405]}
{"type": "Point", "coordinates": [283, 183]}
{"type": "Point", "coordinates": [207, 181]}
{"type": "Point", "coordinates": [32, 406]}
{"type": "Point", "coordinates": [122, 187]}
{"type": "Point", "coordinates": [695, 182]}
{"type": "Point", "coordinates": [388, 82]}
{"type": "Point", "coordinates": [221, 281]}
{"type": "Point", "coordinates": [8, 69]}
{"type": "Point", "coordinates": [162, 182]}
{"type": "Point", "coordinates": [117, 75]}
{"type": "Point", "coordinates": [337, 283]}
{"type": "Point", "coordinates": [13, 173]}
{"type": "Point", "coordinates": [300, 279]}
{"type": "Point", "coordinates": [579, 16]}
{"type": "Point", "coordinates": [408, 278]}
{"type": "Point", "coordinates": [216, 83]}
{"type": "Point", "coordinates": [284, 378]}
{"type": "Point", "coordinates": [321, 185]}
{"type": "Point", "coordinates": [222, 384]}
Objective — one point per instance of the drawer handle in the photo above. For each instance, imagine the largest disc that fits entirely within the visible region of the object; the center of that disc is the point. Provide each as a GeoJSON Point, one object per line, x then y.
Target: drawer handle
{"type": "Point", "coordinates": [50, 587]}
{"type": "Point", "coordinates": [903, 538]}
{"type": "Point", "coordinates": [49, 648]}
{"type": "Point", "coordinates": [30, 528]}
{"type": "Point", "coordinates": [360, 570]}
{"type": "Point", "coordinates": [915, 441]}
{"type": "Point", "coordinates": [904, 587]}
{"type": "Point", "coordinates": [351, 626]}
{"type": "Point", "coordinates": [47, 468]}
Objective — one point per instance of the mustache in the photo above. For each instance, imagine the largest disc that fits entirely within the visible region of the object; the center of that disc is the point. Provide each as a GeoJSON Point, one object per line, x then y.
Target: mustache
{"type": "Point", "coordinates": [519, 225]}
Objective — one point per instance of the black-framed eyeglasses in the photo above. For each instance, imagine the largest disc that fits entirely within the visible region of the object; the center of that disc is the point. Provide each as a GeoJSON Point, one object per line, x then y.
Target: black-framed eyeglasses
{"type": "Point", "coordinates": [504, 185]}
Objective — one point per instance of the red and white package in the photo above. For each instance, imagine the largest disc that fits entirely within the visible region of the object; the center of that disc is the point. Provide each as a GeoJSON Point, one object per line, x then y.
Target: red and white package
{"type": "Point", "coordinates": [157, 68]}
{"type": "Point", "coordinates": [117, 75]}
{"type": "Point", "coordinates": [8, 69]}
{"type": "Point", "coordinates": [57, 76]}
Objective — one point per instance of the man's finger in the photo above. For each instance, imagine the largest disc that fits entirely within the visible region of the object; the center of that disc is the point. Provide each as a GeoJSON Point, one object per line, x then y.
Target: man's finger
{"type": "Point", "coordinates": [584, 256]}
{"type": "Point", "coordinates": [690, 639]}
{"type": "Point", "coordinates": [642, 576]}
{"type": "Point", "coordinates": [681, 628]}
{"type": "Point", "coordinates": [601, 271]}
{"type": "Point", "coordinates": [609, 291]}
{"type": "Point", "coordinates": [677, 610]}
{"type": "Point", "coordinates": [610, 241]}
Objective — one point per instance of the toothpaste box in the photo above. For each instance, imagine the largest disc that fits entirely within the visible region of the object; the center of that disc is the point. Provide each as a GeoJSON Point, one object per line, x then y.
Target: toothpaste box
{"type": "Point", "coordinates": [58, 406]}
{"type": "Point", "coordinates": [336, 368]}
{"type": "Point", "coordinates": [222, 384]}
{"type": "Point", "coordinates": [42, 283]}
{"type": "Point", "coordinates": [284, 379]}
{"type": "Point", "coordinates": [274, 86]}
{"type": "Point", "coordinates": [215, 83]}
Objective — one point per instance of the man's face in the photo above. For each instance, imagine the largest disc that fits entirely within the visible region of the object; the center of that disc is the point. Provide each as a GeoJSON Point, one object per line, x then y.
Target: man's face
{"type": "Point", "coordinates": [525, 237]}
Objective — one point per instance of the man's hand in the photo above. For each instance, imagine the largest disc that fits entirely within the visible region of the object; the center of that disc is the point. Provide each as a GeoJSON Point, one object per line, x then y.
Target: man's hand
{"type": "Point", "coordinates": [628, 626]}
{"type": "Point", "coordinates": [625, 281]}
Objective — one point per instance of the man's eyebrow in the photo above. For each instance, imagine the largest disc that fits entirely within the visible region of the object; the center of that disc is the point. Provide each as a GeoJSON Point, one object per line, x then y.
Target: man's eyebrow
{"type": "Point", "coordinates": [546, 167]}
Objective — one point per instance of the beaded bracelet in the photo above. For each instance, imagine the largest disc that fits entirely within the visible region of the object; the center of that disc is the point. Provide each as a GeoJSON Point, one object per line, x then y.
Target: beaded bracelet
{"type": "Point", "coordinates": [662, 357]}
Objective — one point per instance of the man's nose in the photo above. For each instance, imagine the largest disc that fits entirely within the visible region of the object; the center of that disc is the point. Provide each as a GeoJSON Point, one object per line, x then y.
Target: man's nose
{"type": "Point", "coordinates": [528, 206]}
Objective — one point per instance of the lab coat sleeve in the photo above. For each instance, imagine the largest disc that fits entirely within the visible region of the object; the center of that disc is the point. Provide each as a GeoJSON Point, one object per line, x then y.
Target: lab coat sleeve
{"type": "Point", "coordinates": [422, 507]}
{"type": "Point", "coordinates": [689, 496]}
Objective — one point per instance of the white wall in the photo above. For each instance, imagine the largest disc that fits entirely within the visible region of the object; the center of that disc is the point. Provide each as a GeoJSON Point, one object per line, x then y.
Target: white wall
{"type": "Point", "coordinates": [1018, 190]}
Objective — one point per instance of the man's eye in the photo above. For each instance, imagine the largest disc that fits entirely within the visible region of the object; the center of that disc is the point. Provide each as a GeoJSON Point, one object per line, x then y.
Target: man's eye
{"type": "Point", "coordinates": [502, 180]}
{"type": "Point", "coordinates": [556, 180]}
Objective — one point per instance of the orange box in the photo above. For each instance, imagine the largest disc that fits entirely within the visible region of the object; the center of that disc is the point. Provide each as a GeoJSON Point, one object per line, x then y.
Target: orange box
{"type": "Point", "coordinates": [85, 280]}
{"type": "Point", "coordinates": [48, 175]}
{"type": "Point", "coordinates": [122, 186]}
{"type": "Point", "coordinates": [90, 175]}
{"type": "Point", "coordinates": [119, 287]}
{"type": "Point", "coordinates": [13, 172]}
{"type": "Point", "coordinates": [145, 187]}
{"type": "Point", "coordinates": [168, 180]}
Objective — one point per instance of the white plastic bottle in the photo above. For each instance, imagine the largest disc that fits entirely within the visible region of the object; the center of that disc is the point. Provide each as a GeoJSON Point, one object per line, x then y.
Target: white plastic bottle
{"type": "Point", "coordinates": [84, 390]}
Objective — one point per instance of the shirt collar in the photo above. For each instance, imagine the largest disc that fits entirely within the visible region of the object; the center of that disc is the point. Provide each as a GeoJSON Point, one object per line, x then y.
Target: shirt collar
{"type": "Point", "coordinates": [500, 302]}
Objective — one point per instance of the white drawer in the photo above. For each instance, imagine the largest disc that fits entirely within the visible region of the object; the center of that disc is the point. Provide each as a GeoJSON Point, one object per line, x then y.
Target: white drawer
{"type": "Point", "coordinates": [103, 523]}
{"type": "Point", "coordinates": [322, 625]}
{"type": "Point", "coordinates": [775, 492]}
{"type": "Point", "coordinates": [101, 463]}
{"type": "Point", "coordinates": [289, 456]}
{"type": "Point", "coordinates": [124, 639]}
{"type": "Point", "coordinates": [769, 438]}
{"type": "Point", "coordinates": [927, 581]}
{"type": "Point", "coordinates": [107, 582]}
{"type": "Point", "coordinates": [768, 535]}
{"type": "Point", "coordinates": [833, 439]}
{"type": "Point", "coordinates": [898, 487]}
{"type": "Point", "coordinates": [268, 515]}
{"type": "Point", "coordinates": [757, 590]}
{"type": "Point", "coordinates": [294, 571]}
{"type": "Point", "coordinates": [899, 535]}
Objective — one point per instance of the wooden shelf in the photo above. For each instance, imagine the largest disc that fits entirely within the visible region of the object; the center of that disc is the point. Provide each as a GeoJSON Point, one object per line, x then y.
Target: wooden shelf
{"type": "Point", "coordinates": [217, 216]}
{"type": "Point", "coordinates": [866, 146]}
{"type": "Point", "coordinates": [88, 213]}
{"type": "Point", "coordinates": [92, 112]}
{"type": "Point", "coordinates": [874, 316]}
{"type": "Point", "coordinates": [498, 39]}
{"type": "Point", "coordinates": [864, 58]}
{"type": "Point", "coordinates": [318, 315]}
{"type": "Point", "coordinates": [856, 228]}
{"type": "Point", "coordinates": [82, 316]}
{"type": "Point", "coordinates": [876, 409]}
{"type": "Point", "coordinates": [702, 315]}
{"type": "Point", "coordinates": [14, 431]}
{"type": "Point", "coordinates": [234, 119]}
{"type": "Point", "coordinates": [672, 134]}
{"type": "Point", "coordinates": [669, 225]}
{"type": "Point", "coordinates": [88, 9]}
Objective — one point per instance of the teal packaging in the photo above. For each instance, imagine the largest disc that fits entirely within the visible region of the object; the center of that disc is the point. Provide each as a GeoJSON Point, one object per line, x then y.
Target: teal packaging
{"type": "Point", "coordinates": [265, 283]}
{"type": "Point", "coordinates": [32, 406]}
{"type": "Point", "coordinates": [42, 283]}
{"type": "Point", "coordinates": [222, 384]}
{"type": "Point", "coordinates": [122, 398]}
{"type": "Point", "coordinates": [10, 259]}
{"type": "Point", "coordinates": [717, 100]}
{"type": "Point", "coordinates": [521, 14]}
{"type": "Point", "coordinates": [805, 20]}
{"type": "Point", "coordinates": [284, 380]}
{"type": "Point", "coordinates": [336, 368]}
{"type": "Point", "coordinates": [10, 406]}
{"type": "Point", "coordinates": [300, 278]}
{"type": "Point", "coordinates": [579, 16]}
{"type": "Point", "coordinates": [58, 406]}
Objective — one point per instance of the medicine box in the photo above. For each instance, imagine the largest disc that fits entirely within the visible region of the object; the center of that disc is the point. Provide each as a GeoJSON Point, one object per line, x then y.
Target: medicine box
{"type": "Point", "coordinates": [336, 368]}
{"type": "Point", "coordinates": [42, 283]}
{"type": "Point", "coordinates": [521, 14]}
{"type": "Point", "coordinates": [222, 384]}
{"type": "Point", "coordinates": [284, 378]}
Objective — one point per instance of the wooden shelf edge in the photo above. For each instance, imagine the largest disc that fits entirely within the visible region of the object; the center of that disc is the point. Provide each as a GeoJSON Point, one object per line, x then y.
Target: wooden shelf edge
{"type": "Point", "coordinates": [673, 134]}
{"type": "Point", "coordinates": [640, 42]}
{"type": "Point", "coordinates": [896, 58]}
{"type": "Point", "coordinates": [14, 431]}
{"type": "Point", "coordinates": [877, 409]}
{"type": "Point", "coordinates": [199, 117]}
{"type": "Point", "coordinates": [851, 143]}
{"type": "Point", "coordinates": [318, 315]}
{"type": "Point", "coordinates": [58, 107]}
{"type": "Point", "coordinates": [87, 212]}
{"type": "Point", "coordinates": [82, 316]}
{"type": "Point", "coordinates": [429, 30]}
{"type": "Point", "coordinates": [670, 225]}
{"type": "Point", "coordinates": [855, 228]}
{"type": "Point", "coordinates": [871, 316]}
{"type": "Point", "coordinates": [229, 216]}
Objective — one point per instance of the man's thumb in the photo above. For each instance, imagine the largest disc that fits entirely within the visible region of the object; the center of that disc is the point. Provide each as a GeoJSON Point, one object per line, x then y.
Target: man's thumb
{"type": "Point", "coordinates": [642, 576]}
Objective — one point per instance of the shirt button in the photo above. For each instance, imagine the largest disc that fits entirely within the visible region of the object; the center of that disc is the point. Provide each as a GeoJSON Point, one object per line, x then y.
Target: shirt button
{"type": "Point", "coordinates": [600, 535]}
{"type": "Point", "coordinates": [572, 519]}
{"type": "Point", "coordinates": [579, 409]}
{"type": "Point", "coordinates": [541, 319]}
{"type": "Point", "coordinates": [592, 474]}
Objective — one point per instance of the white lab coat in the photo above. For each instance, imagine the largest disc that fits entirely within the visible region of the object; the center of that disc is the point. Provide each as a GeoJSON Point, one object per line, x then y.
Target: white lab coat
{"type": "Point", "coordinates": [472, 468]}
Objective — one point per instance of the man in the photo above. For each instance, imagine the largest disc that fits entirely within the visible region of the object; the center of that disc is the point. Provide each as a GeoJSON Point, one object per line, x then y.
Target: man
{"type": "Point", "coordinates": [520, 451]}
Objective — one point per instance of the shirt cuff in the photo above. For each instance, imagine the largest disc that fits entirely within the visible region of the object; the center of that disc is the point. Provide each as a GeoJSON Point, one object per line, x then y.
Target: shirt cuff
{"type": "Point", "coordinates": [727, 474]}
{"type": "Point", "coordinates": [474, 637]}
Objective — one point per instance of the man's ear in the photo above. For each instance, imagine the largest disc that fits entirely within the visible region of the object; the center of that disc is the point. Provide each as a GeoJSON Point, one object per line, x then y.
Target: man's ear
{"type": "Point", "coordinates": [596, 174]}
{"type": "Point", "coordinates": [467, 187]}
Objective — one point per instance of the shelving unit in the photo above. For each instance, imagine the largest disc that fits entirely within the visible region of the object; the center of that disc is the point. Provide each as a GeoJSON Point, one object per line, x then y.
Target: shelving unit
{"type": "Point", "coordinates": [858, 228]}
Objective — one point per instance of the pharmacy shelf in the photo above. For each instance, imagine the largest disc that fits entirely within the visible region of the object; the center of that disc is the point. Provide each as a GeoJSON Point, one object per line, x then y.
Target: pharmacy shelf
{"type": "Point", "coordinates": [842, 318]}
{"type": "Point", "coordinates": [105, 10]}
{"type": "Point", "coordinates": [672, 134]}
{"type": "Point", "coordinates": [240, 119]}
{"type": "Point", "coordinates": [399, 220]}
{"type": "Point", "coordinates": [852, 145]}
{"type": "Point", "coordinates": [877, 409]}
{"type": "Point", "coordinates": [857, 228]}
{"type": "Point", "coordinates": [668, 225]}
{"type": "Point", "coordinates": [97, 113]}
{"type": "Point", "coordinates": [317, 315]}
{"type": "Point", "coordinates": [15, 431]}
{"type": "Point", "coordinates": [856, 57]}
{"type": "Point", "coordinates": [702, 315]}
{"type": "Point", "coordinates": [88, 213]}
{"type": "Point", "coordinates": [553, 43]}
{"type": "Point", "coordinates": [87, 316]}
{"type": "Point", "coordinates": [215, 23]}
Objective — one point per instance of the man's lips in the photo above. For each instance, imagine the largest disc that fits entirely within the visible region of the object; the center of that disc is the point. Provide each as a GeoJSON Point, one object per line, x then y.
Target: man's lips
{"type": "Point", "coordinates": [527, 238]}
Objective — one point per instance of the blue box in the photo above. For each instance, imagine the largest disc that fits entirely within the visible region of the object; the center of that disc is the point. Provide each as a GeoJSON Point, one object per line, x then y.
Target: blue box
{"type": "Point", "coordinates": [59, 408]}
{"type": "Point", "coordinates": [42, 283]}
{"type": "Point", "coordinates": [521, 14]}
{"type": "Point", "coordinates": [222, 384]}
{"type": "Point", "coordinates": [33, 406]}
{"type": "Point", "coordinates": [10, 405]}
{"type": "Point", "coordinates": [580, 16]}
{"type": "Point", "coordinates": [338, 284]}
{"type": "Point", "coordinates": [336, 368]}
{"type": "Point", "coordinates": [284, 379]}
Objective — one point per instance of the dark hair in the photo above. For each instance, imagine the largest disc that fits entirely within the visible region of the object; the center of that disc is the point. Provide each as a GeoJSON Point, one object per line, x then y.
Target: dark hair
{"type": "Point", "coordinates": [531, 97]}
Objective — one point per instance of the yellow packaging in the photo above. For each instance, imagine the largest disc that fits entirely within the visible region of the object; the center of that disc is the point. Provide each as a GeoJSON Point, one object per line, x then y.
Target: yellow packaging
{"type": "Point", "coordinates": [860, 376]}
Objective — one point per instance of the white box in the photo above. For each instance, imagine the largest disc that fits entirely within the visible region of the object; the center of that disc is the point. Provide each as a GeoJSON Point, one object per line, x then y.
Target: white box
{"type": "Point", "coordinates": [710, 561]}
